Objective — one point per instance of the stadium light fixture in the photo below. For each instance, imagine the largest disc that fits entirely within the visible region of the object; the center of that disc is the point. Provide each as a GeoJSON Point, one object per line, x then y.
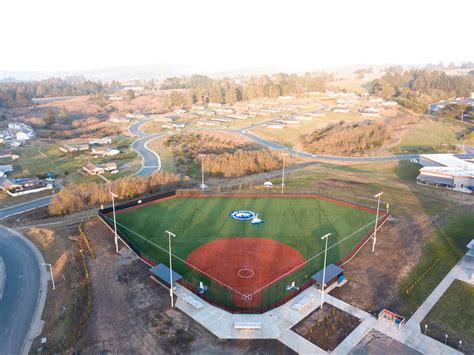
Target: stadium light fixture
{"type": "Point", "coordinates": [283, 174]}
{"type": "Point", "coordinates": [170, 234]}
{"type": "Point", "coordinates": [202, 172]}
{"type": "Point", "coordinates": [114, 196]}
{"type": "Point", "coordinates": [326, 237]}
{"type": "Point", "coordinates": [376, 219]}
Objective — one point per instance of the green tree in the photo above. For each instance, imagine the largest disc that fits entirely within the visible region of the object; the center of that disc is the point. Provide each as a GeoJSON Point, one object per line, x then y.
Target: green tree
{"type": "Point", "coordinates": [231, 95]}
{"type": "Point", "coordinates": [130, 94]}
{"type": "Point", "coordinates": [63, 114]}
{"type": "Point", "coordinates": [49, 117]}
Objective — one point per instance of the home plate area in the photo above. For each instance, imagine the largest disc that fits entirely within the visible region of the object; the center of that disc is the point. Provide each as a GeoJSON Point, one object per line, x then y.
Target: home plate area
{"type": "Point", "coordinates": [245, 265]}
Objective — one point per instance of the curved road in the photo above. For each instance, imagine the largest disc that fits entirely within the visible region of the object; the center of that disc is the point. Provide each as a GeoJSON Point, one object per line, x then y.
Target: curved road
{"type": "Point", "coordinates": [151, 160]}
{"type": "Point", "coordinates": [21, 302]}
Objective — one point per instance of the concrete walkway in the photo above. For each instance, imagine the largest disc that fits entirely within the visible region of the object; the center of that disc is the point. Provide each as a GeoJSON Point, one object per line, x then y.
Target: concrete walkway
{"type": "Point", "coordinates": [275, 324]}
{"type": "Point", "coordinates": [404, 335]}
{"type": "Point", "coordinates": [461, 271]}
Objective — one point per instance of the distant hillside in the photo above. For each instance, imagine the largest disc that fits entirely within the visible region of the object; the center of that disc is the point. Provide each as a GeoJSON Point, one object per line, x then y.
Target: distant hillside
{"type": "Point", "coordinates": [139, 72]}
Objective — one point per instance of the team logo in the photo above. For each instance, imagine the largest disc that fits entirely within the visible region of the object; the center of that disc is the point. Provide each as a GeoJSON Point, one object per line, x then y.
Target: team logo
{"type": "Point", "coordinates": [242, 215]}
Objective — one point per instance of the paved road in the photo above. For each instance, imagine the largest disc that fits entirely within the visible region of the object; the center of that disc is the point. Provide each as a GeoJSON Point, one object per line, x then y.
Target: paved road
{"type": "Point", "coordinates": [151, 161]}
{"type": "Point", "coordinates": [23, 207]}
{"type": "Point", "coordinates": [276, 146]}
{"type": "Point", "coordinates": [21, 293]}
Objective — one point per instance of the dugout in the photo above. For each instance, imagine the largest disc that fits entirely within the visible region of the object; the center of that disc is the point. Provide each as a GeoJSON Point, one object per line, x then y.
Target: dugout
{"type": "Point", "coordinates": [161, 274]}
{"type": "Point", "coordinates": [334, 277]}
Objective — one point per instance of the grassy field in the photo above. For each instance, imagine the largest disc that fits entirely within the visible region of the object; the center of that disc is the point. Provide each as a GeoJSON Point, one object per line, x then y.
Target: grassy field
{"type": "Point", "coordinates": [453, 315]}
{"type": "Point", "coordinates": [290, 135]}
{"type": "Point", "coordinates": [428, 138]}
{"type": "Point", "coordinates": [39, 157]}
{"type": "Point", "coordinates": [441, 251]}
{"type": "Point", "coordinates": [297, 222]}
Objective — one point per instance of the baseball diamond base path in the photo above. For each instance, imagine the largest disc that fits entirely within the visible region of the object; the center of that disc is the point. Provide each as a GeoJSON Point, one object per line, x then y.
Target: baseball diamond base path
{"type": "Point", "coordinates": [245, 264]}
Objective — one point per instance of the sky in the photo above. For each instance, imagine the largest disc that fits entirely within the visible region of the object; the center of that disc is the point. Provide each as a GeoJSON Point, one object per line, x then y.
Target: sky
{"type": "Point", "coordinates": [232, 34]}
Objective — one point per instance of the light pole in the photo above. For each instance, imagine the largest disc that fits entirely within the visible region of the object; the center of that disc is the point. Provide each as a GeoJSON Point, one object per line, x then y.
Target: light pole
{"type": "Point", "coordinates": [171, 266]}
{"type": "Point", "coordinates": [376, 219]}
{"type": "Point", "coordinates": [202, 172]}
{"type": "Point", "coordinates": [114, 196]}
{"type": "Point", "coordinates": [284, 155]}
{"type": "Point", "coordinates": [326, 237]}
{"type": "Point", "coordinates": [51, 272]}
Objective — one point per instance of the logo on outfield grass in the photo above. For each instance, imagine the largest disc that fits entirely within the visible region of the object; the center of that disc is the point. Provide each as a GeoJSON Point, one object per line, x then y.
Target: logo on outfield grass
{"type": "Point", "coordinates": [242, 215]}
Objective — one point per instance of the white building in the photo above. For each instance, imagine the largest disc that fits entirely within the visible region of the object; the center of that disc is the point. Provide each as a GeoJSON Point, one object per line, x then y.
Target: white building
{"type": "Point", "coordinates": [446, 170]}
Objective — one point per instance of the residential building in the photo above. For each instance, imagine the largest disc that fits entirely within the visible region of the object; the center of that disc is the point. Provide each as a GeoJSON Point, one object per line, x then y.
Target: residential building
{"type": "Point", "coordinates": [94, 169]}
{"type": "Point", "coordinates": [105, 151]}
{"type": "Point", "coordinates": [276, 125]}
{"type": "Point", "coordinates": [7, 154]}
{"type": "Point", "coordinates": [214, 104]}
{"type": "Point", "coordinates": [101, 141]}
{"type": "Point", "coordinates": [341, 109]}
{"type": "Point", "coordinates": [18, 187]}
{"type": "Point", "coordinates": [66, 148]}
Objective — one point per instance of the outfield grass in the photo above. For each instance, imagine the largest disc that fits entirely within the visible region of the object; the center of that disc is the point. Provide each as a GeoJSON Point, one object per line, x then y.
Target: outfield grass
{"type": "Point", "coordinates": [298, 222]}
{"type": "Point", "coordinates": [453, 314]}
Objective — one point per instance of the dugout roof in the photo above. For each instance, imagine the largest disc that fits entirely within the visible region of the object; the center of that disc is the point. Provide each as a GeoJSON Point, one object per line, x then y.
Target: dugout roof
{"type": "Point", "coordinates": [332, 271]}
{"type": "Point", "coordinates": [163, 273]}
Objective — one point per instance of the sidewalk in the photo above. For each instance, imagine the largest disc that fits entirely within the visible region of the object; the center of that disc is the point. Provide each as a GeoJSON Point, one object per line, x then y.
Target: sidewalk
{"type": "Point", "coordinates": [2, 277]}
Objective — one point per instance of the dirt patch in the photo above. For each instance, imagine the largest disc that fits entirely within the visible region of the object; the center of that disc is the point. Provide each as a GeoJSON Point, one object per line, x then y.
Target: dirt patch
{"type": "Point", "coordinates": [327, 327]}
{"type": "Point", "coordinates": [245, 264]}
{"type": "Point", "coordinates": [66, 306]}
{"type": "Point", "coordinates": [132, 314]}
{"type": "Point", "coordinates": [374, 278]}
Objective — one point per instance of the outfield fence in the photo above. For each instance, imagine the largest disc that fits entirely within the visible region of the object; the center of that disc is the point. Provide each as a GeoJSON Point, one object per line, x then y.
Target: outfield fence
{"type": "Point", "coordinates": [249, 299]}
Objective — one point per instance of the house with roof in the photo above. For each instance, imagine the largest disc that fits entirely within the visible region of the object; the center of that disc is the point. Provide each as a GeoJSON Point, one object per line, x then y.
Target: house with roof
{"type": "Point", "coordinates": [24, 186]}
{"type": "Point", "coordinates": [101, 141]}
{"type": "Point", "coordinates": [7, 154]}
{"type": "Point", "coordinates": [69, 148]}
{"type": "Point", "coordinates": [95, 169]}
{"type": "Point", "coordinates": [105, 151]}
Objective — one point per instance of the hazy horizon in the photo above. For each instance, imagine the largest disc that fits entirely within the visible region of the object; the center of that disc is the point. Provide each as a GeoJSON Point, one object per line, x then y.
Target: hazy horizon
{"type": "Point", "coordinates": [213, 36]}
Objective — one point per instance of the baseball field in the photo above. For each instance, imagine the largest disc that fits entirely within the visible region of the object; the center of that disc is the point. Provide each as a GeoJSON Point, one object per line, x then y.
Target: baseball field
{"type": "Point", "coordinates": [245, 249]}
